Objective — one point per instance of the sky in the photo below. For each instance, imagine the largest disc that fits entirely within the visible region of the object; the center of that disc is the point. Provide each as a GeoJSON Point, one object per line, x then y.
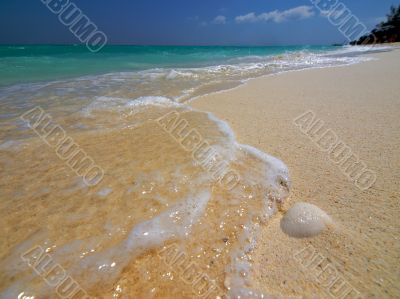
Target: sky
{"type": "Point", "coordinates": [187, 22]}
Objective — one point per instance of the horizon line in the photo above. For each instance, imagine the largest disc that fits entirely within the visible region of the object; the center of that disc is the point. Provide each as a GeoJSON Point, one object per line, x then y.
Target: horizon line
{"type": "Point", "coordinates": [173, 45]}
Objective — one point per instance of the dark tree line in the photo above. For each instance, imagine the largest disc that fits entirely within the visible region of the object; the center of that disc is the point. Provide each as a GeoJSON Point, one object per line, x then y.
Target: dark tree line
{"type": "Point", "coordinates": [385, 32]}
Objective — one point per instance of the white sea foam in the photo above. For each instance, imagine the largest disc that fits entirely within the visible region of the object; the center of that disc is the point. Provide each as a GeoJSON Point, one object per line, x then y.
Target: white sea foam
{"type": "Point", "coordinates": [177, 222]}
{"type": "Point", "coordinates": [173, 74]}
{"type": "Point", "coordinates": [276, 171]}
{"type": "Point", "coordinates": [364, 49]}
{"type": "Point", "coordinates": [153, 101]}
{"type": "Point", "coordinates": [91, 267]}
{"type": "Point", "coordinates": [104, 267]}
{"type": "Point", "coordinates": [103, 103]}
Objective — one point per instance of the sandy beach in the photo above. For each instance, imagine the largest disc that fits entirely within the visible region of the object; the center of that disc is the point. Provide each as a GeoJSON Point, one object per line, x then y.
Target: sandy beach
{"type": "Point", "coordinates": [360, 103]}
{"type": "Point", "coordinates": [209, 150]}
{"type": "Point", "coordinates": [185, 203]}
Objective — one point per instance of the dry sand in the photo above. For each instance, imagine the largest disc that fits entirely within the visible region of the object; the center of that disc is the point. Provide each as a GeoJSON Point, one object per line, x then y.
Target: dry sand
{"type": "Point", "coordinates": [361, 104]}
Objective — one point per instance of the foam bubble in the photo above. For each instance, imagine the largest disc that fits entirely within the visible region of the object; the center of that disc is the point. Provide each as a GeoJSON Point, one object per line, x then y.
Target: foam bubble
{"type": "Point", "coordinates": [102, 103]}
{"type": "Point", "coordinates": [150, 100]}
{"type": "Point", "coordinates": [173, 74]}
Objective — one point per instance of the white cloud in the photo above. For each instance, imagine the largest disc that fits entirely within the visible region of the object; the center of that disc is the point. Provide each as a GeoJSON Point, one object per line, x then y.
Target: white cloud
{"type": "Point", "coordinates": [249, 18]}
{"type": "Point", "coordinates": [296, 13]}
{"type": "Point", "coordinates": [221, 20]}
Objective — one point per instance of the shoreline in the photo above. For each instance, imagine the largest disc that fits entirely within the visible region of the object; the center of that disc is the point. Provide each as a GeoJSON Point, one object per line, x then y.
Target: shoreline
{"type": "Point", "coordinates": [350, 102]}
{"type": "Point", "coordinates": [396, 46]}
{"type": "Point", "coordinates": [46, 82]}
{"type": "Point", "coordinates": [246, 81]}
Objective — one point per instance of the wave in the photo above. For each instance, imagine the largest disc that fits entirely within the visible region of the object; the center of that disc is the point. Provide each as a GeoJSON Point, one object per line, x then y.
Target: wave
{"type": "Point", "coordinates": [109, 91]}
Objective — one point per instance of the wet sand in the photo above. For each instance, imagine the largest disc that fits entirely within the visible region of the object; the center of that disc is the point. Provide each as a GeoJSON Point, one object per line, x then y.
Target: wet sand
{"type": "Point", "coordinates": [361, 104]}
{"type": "Point", "coordinates": [164, 221]}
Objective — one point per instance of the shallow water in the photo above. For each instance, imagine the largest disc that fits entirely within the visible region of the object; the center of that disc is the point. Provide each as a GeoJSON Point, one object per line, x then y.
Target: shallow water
{"type": "Point", "coordinates": [156, 192]}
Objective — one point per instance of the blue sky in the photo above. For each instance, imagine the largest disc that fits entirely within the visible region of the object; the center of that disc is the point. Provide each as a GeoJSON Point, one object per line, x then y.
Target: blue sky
{"type": "Point", "coordinates": [187, 22]}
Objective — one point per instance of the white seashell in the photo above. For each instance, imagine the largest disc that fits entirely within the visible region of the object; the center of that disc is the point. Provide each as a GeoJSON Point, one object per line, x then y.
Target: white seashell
{"type": "Point", "coordinates": [304, 220]}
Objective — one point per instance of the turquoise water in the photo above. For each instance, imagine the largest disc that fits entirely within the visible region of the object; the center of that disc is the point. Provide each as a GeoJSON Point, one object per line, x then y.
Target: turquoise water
{"type": "Point", "coordinates": [24, 64]}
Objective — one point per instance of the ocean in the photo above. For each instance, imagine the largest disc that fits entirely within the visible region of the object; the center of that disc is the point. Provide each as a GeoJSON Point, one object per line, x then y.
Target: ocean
{"type": "Point", "coordinates": [67, 79]}
{"type": "Point", "coordinates": [27, 64]}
